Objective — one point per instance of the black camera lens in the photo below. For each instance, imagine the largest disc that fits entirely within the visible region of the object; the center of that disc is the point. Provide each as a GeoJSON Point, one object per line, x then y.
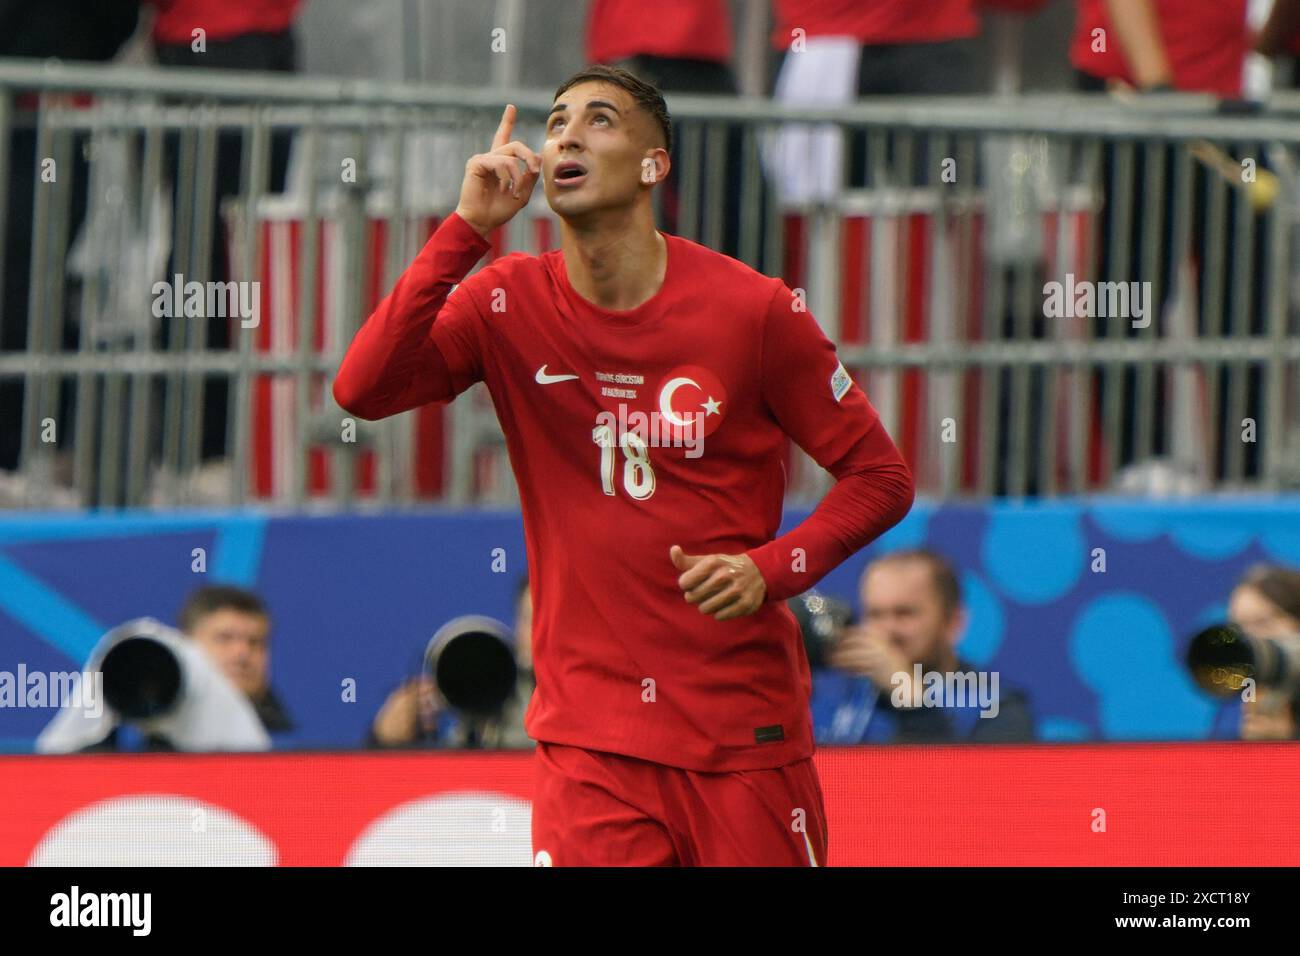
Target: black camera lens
{"type": "Point", "coordinates": [821, 619]}
{"type": "Point", "coordinates": [475, 672]}
{"type": "Point", "coordinates": [142, 678]}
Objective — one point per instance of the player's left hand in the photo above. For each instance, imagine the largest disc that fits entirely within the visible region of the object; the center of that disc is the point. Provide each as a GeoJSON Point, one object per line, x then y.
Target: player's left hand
{"type": "Point", "coordinates": [723, 585]}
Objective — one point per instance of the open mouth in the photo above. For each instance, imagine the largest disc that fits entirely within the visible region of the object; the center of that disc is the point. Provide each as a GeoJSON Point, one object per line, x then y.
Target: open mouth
{"type": "Point", "coordinates": [569, 173]}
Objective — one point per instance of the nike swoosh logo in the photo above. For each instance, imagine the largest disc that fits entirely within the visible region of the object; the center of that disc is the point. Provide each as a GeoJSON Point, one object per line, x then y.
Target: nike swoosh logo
{"type": "Point", "coordinates": [544, 379]}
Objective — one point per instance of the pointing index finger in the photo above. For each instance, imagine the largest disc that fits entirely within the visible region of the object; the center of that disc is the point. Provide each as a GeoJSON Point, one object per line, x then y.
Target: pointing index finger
{"type": "Point", "coordinates": [507, 126]}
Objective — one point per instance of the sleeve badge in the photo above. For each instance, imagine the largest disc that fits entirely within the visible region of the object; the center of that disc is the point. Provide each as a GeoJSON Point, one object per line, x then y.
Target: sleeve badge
{"type": "Point", "coordinates": [840, 381]}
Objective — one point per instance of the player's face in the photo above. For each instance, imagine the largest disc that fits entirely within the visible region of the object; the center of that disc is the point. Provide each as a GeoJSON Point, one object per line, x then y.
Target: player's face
{"type": "Point", "coordinates": [1257, 615]}
{"type": "Point", "coordinates": [237, 643]}
{"type": "Point", "coordinates": [600, 151]}
{"type": "Point", "coordinates": [901, 600]}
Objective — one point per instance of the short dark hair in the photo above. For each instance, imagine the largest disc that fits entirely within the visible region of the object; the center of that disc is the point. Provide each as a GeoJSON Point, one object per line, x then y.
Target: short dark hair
{"type": "Point", "coordinates": [1278, 585]}
{"type": "Point", "coordinates": [218, 597]}
{"type": "Point", "coordinates": [646, 95]}
{"type": "Point", "coordinates": [942, 575]}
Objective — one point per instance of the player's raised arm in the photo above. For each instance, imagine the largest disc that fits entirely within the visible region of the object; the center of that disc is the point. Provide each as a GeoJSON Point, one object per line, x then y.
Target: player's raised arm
{"type": "Point", "coordinates": [499, 182]}
{"type": "Point", "coordinates": [393, 363]}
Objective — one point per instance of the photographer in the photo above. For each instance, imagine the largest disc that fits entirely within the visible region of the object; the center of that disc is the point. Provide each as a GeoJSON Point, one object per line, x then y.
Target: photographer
{"type": "Point", "coordinates": [232, 627]}
{"type": "Point", "coordinates": [913, 616]}
{"type": "Point", "coordinates": [1266, 604]}
{"type": "Point", "coordinates": [147, 685]}
{"type": "Point", "coordinates": [417, 715]}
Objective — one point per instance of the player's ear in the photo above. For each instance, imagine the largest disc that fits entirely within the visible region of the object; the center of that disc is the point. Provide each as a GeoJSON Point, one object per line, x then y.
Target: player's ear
{"type": "Point", "coordinates": [655, 165]}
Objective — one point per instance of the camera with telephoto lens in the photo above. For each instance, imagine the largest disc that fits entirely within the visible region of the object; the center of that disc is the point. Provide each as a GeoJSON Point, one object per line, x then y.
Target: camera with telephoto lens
{"type": "Point", "coordinates": [821, 619]}
{"type": "Point", "coordinates": [154, 678]}
{"type": "Point", "coordinates": [1223, 657]}
{"type": "Point", "coordinates": [472, 662]}
{"type": "Point", "coordinates": [142, 678]}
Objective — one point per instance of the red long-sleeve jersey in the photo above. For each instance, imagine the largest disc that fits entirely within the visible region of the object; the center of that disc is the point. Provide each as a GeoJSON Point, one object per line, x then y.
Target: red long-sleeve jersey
{"type": "Point", "coordinates": [630, 432]}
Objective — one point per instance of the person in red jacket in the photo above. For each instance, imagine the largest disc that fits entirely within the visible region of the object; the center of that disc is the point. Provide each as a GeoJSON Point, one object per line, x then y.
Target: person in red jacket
{"type": "Point", "coordinates": [231, 35]}
{"type": "Point", "coordinates": [226, 34]}
{"type": "Point", "coordinates": [646, 386]}
{"type": "Point", "coordinates": [686, 45]}
{"type": "Point", "coordinates": [931, 33]}
{"type": "Point", "coordinates": [1193, 46]}
{"type": "Point", "coordinates": [907, 47]}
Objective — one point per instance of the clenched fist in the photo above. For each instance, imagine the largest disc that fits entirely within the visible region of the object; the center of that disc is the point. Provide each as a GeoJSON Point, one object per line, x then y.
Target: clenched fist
{"type": "Point", "coordinates": [723, 585]}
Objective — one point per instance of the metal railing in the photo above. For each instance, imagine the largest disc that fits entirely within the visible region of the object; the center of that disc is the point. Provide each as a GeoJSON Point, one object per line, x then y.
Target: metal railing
{"type": "Point", "coordinates": [930, 268]}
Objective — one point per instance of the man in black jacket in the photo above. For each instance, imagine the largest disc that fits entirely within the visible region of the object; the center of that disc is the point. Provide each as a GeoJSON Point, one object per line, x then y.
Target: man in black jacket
{"type": "Point", "coordinates": [233, 627]}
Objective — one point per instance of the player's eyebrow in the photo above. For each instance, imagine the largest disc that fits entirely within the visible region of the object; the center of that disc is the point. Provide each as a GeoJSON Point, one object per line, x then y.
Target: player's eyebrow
{"type": "Point", "coordinates": [591, 105]}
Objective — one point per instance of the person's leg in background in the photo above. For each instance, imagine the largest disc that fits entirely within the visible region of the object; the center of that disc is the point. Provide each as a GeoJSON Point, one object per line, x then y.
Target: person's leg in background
{"type": "Point", "coordinates": [17, 278]}
{"type": "Point", "coordinates": [17, 283]}
{"type": "Point", "coordinates": [947, 68]}
{"type": "Point", "coordinates": [942, 68]}
{"type": "Point", "coordinates": [275, 52]}
{"type": "Point", "coordinates": [70, 33]}
{"type": "Point", "coordinates": [1161, 281]}
{"type": "Point", "coordinates": [1240, 391]}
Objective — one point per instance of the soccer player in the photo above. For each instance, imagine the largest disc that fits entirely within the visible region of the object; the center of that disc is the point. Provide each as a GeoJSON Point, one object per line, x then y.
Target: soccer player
{"type": "Point", "coordinates": [646, 386]}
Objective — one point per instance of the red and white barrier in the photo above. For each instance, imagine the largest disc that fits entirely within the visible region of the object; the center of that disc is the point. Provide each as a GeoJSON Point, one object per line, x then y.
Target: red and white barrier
{"type": "Point", "coordinates": [1042, 805]}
